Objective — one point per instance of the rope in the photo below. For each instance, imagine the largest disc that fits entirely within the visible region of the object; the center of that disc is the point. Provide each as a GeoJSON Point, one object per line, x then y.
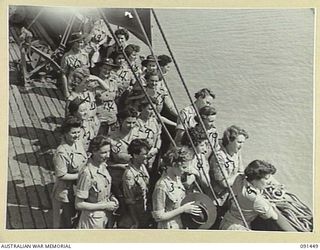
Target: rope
{"type": "Point", "coordinates": [292, 208]}
{"type": "Point", "coordinates": [200, 119]}
{"type": "Point", "coordinates": [35, 19]}
{"type": "Point", "coordinates": [174, 104]}
{"type": "Point", "coordinates": [66, 33]}
{"type": "Point", "coordinates": [136, 76]}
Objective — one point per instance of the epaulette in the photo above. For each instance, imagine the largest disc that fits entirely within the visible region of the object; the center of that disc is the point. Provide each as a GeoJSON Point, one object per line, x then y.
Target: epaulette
{"type": "Point", "coordinates": [250, 190]}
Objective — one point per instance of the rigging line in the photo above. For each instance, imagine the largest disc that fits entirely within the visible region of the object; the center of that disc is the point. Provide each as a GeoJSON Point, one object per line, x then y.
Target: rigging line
{"type": "Point", "coordinates": [35, 19]}
{"type": "Point", "coordinates": [174, 104]}
{"type": "Point", "coordinates": [136, 76]}
{"type": "Point", "coordinates": [67, 32]}
{"type": "Point", "coordinates": [200, 119]}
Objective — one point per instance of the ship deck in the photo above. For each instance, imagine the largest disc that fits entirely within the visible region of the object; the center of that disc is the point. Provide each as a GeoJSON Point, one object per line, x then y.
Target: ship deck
{"type": "Point", "coordinates": [35, 113]}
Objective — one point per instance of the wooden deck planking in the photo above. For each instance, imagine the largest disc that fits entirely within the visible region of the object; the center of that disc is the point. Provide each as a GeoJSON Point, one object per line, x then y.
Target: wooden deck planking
{"type": "Point", "coordinates": [22, 197]}
{"type": "Point", "coordinates": [44, 165]}
{"type": "Point", "coordinates": [14, 216]}
{"type": "Point", "coordinates": [14, 52]}
{"type": "Point", "coordinates": [37, 106]}
{"type": "Point", "coordinates": [46, 103]}
{"type": "Point", "coordinates": [44, 106]}
{"type": "Point", "coordinates": [35, 183]}
{"type": "Point", "coordinates": [18, 142]}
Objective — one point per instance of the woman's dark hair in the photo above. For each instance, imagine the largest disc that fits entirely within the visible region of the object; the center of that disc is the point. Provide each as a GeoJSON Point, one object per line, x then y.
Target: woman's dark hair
{"type": "Point", "coordinates": [73, 106]}
{"type": "Point", "coordinates": [123, 32]}
{"type": "Point", "coordinates": [205, 112]}
{"type": "Point", "coordinates": [131, 48]}
{"type": "Point", "coordinates": [144, 103]}
{"type": "Point", "coordinates": [231, 133]}
{"type": "Point", "coordinates": [148, 75]}
{"type": "Point", "coordinates": [115, 54]}
{"type": "Point", "coordinates": [98, 142]}
{"type": "Point", "coordinates": [258, 169]}
{"type": "Point", "coordinates": [69, 123]}
{"type": "Point", "coordinates": [164, 60]}
{"type": "Point", "coordinates": [129, 112]}
{"type": "Point", "coordinates": [202, 93]}
{"type": "Point", "coordinates": [197, 136]}
{"type": "Point", "coordinates": [137, 145]}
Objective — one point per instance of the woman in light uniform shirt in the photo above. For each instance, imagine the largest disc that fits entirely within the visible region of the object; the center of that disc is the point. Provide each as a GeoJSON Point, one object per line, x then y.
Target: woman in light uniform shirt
{"type": "Point", "coordinates": [93, 195]}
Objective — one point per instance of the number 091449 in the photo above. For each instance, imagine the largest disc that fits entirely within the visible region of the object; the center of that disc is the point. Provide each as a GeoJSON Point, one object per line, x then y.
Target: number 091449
{"type": "Point", "coordinates": [309, 245]}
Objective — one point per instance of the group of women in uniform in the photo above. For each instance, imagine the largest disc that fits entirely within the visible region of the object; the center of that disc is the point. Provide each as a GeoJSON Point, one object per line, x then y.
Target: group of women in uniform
{"type": "Point", "coordinates": [113, 168]}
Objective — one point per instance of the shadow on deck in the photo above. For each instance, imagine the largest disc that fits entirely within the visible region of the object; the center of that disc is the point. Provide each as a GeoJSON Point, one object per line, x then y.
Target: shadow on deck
{"type": "Point", "coordinates": [36, 112]}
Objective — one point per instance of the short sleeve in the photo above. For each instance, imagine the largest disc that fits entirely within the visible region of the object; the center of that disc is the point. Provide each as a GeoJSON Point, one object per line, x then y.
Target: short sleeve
{"type": "Point", "coordinates": [83, 186]}
{"type": "Point", "coordinates": [128, 184]}
{"type": "Point", "coordinates": [182, 119]}
{"type": "Point", "coordinates": [60, 164]}
{"type": "Point", "coordinates": [64, 65]}
{"type": "Point", "coordinates": [263, 208]}
{"type": "Point", "coordinates": [241, 167]}
{"type": "Point", "coordinates": [158, 202]}
{"type": "Point", "coordinates": [217, 171]}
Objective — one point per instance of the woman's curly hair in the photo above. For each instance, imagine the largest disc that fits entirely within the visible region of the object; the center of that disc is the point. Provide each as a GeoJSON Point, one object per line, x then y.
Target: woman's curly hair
{"type": "Point", "coordinates": [136, 145]}
{"type": "Point", "coordinates": [176, 156]}
{"type": "Point", "coordinates": [196, 135]}
{"type": "Point", "coordinates": [231, 133]}
{"type": "Point", "coordinates": [69, 123]}
{"type": "Point", "coordinates": [98, 142]}
{"type": "Point", "coordinates": [129, 112]}
{"type": "Point", "coordinates": [258, 169]}
{"type": "Point", "coordinates": [204, 112]}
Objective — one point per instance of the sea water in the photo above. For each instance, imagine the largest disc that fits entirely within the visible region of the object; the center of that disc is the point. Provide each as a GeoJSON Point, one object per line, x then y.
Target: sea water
{"type": "Point", "coordinates": [259, 63]}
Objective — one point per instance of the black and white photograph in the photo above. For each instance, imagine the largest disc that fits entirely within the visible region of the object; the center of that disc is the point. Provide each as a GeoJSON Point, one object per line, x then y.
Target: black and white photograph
{"type": "Point", "coordinates": [161, 118]}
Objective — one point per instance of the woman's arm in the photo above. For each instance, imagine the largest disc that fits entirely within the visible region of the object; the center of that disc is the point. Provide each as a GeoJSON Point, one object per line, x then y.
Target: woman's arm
{"type": "Point", "coordinates": [159, 213]}
{"type": "Point", "coordinates": [167, 121]}
{"type": "Point", "coordinates": [101, 82]}
{"type": "Point", "coordinates": [69, 177]}
{"type": "Point", "coordinates": [81, 204]}
{"type": "Point", "coordinates": [65, 89]}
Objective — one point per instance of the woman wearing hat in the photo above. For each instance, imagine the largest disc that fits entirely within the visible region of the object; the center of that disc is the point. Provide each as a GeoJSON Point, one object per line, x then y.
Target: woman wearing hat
{"type": "Point", "coordinates": [69, 158]}
{"type": "Point", "coordinates": [106, 96]}
{"type": "Point", "coordinates": [76, 57]}
{"type": "Point", "coordinates": [248, 189]}
{"type": "Point", "coordinates": [150, 64]}
{"type": "Point", "coordinates": [169, 192]}
{"type": "Point", "coordinates": [230, 160]}
{"type": "Point", "coordinates": [93, 193]}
